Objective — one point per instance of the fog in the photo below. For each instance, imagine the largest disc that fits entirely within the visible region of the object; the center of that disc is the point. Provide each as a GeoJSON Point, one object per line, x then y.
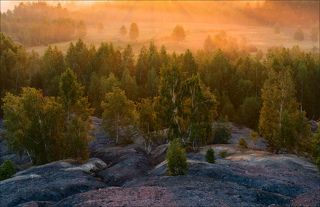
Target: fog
{"type": "Point", "coordinates": [256, 24]}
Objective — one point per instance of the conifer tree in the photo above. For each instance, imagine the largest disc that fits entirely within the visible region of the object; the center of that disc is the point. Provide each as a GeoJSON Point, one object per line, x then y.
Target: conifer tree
{"type": "Point", "coordinates": [77, 115]}
{"type": "Point", "coordinates": [176, 157]}
{"type": "Point", "coordinates": [53, 65]}
{"type": "Point", "coordinates": [129, 85]}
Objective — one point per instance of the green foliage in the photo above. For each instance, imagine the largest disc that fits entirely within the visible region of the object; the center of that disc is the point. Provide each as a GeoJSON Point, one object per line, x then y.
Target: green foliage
{"type": "Point", "coordinates": [78, 59]}
{"type": "Point", "coordinates": [7, 170]}
{"type": "Point", "coordinates": [53, 65]}
{"type": "Point", "coordinates": [13, 65]}
{"type": "Point", "coordinates": [178, 33]}
{"type": "Point", "coordinates": [181, 86]}
{"type": "Point", "coordinates": [176, 158]}
{"type": "Point", "coordinates": [243, 143]}
{"type": "Point", "coordinates": [249, 112]}
{"type": "Point", "coordinates": [49, 128]}
{"type": "Point", "coordinates": [281, 122]}
{"type": "Point", "coordinates": [221, 133]}
{"type": "Point", "coordinates": [210, 156]}
{"type": "Point", "coordinates": [34, 123]}
{"type": "Point", "coordinates": [70, 89]}
{"type": "Point", "coordinates": [118, 112]}
{"type": "Point", "coordinates": [129, 85]}
{"type": "Point", "coordinates": [170, 99]}
{"type": "Point", "coordinates": [148, 122]}
{"type": "Point", "coordinates": [198, 111]}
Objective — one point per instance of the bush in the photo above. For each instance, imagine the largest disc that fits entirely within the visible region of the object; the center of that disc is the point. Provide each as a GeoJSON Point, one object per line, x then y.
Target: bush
{"type": "Point", "coordinates": [221, 133]}
{"type": "Point", "coordinates": [242, 143]}
{"type": "Point", "coordinates": [210, 156]}
{"type": "Point", "coordinates": [223, 153]}
{"type": "Point", "coordinates": [6, 170]}
{"type": "Point", "coordinates": [176, 158]}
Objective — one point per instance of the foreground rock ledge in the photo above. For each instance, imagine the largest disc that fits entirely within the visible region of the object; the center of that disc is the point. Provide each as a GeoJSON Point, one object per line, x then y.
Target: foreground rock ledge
{"type": "Point", "coordinates": [126, 176]}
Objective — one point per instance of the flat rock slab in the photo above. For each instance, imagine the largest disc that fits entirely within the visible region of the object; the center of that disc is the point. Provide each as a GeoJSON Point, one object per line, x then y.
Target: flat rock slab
{"type": "Point", "coordinates": [117, 196]}
{"type": "Point", "coordinates": [50, 182]}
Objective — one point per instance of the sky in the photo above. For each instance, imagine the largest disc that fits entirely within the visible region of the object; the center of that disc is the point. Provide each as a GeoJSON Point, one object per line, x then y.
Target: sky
{"type": "Point", "coordinates": [9, 4]}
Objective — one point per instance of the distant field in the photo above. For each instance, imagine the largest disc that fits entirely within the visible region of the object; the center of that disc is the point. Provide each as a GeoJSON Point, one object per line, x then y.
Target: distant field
{"type": "Point", "coordinates": [258, 36]}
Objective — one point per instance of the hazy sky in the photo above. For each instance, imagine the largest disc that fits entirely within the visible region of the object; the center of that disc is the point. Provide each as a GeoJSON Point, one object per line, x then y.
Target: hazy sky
{"type": "Point", "coordinates": [9, 4]}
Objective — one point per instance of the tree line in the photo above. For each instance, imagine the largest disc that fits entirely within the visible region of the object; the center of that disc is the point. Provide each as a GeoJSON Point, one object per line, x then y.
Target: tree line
{"type": "Point", "coordinates": [155, 91]}
{"type": "Point", "coordinates": [38, 23]}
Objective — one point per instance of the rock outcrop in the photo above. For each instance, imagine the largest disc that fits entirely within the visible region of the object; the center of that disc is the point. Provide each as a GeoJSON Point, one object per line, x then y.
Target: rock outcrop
{"type": "Point", "coordinates": [124, 163]}
{"type": "Point", "coordinates": [51, 182]}
{"type": "Point", "coordinates": [128, 176]}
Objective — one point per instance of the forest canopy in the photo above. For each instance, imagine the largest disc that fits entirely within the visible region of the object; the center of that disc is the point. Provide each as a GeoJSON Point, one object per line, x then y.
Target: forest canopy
{"type": "Point", "coordinates": [274, 94]}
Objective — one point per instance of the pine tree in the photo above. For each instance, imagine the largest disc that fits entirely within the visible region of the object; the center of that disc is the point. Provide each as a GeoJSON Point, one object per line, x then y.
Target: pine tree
{"type": "Point", "coordinates": [77, 116]}
{"type": "Point", "coordinates": [128, 60]}
{"type": "Point", "coordinates": [52, 67]}
{"type": "Point", "coordinates": [189, 65]}
{"type": "Point", "coordinates": [176, 158]}
{"type": "Point", "coordinates": [129, 85]}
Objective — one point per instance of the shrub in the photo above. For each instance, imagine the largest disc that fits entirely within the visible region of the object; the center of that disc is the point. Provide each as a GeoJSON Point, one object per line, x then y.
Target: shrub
{"type": "Point", "coordinates": [242, 143]}
{"type": "Point", "coordinates": [223, 153]}
{"type": "Point", "coordinates": [6, 170]}
{"type": "Point", "coordinates": [221, 133]}
{"type": "Point", "coordinates": [176, 157]}
{"type": "Point", "coordinates": [210, 156]}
